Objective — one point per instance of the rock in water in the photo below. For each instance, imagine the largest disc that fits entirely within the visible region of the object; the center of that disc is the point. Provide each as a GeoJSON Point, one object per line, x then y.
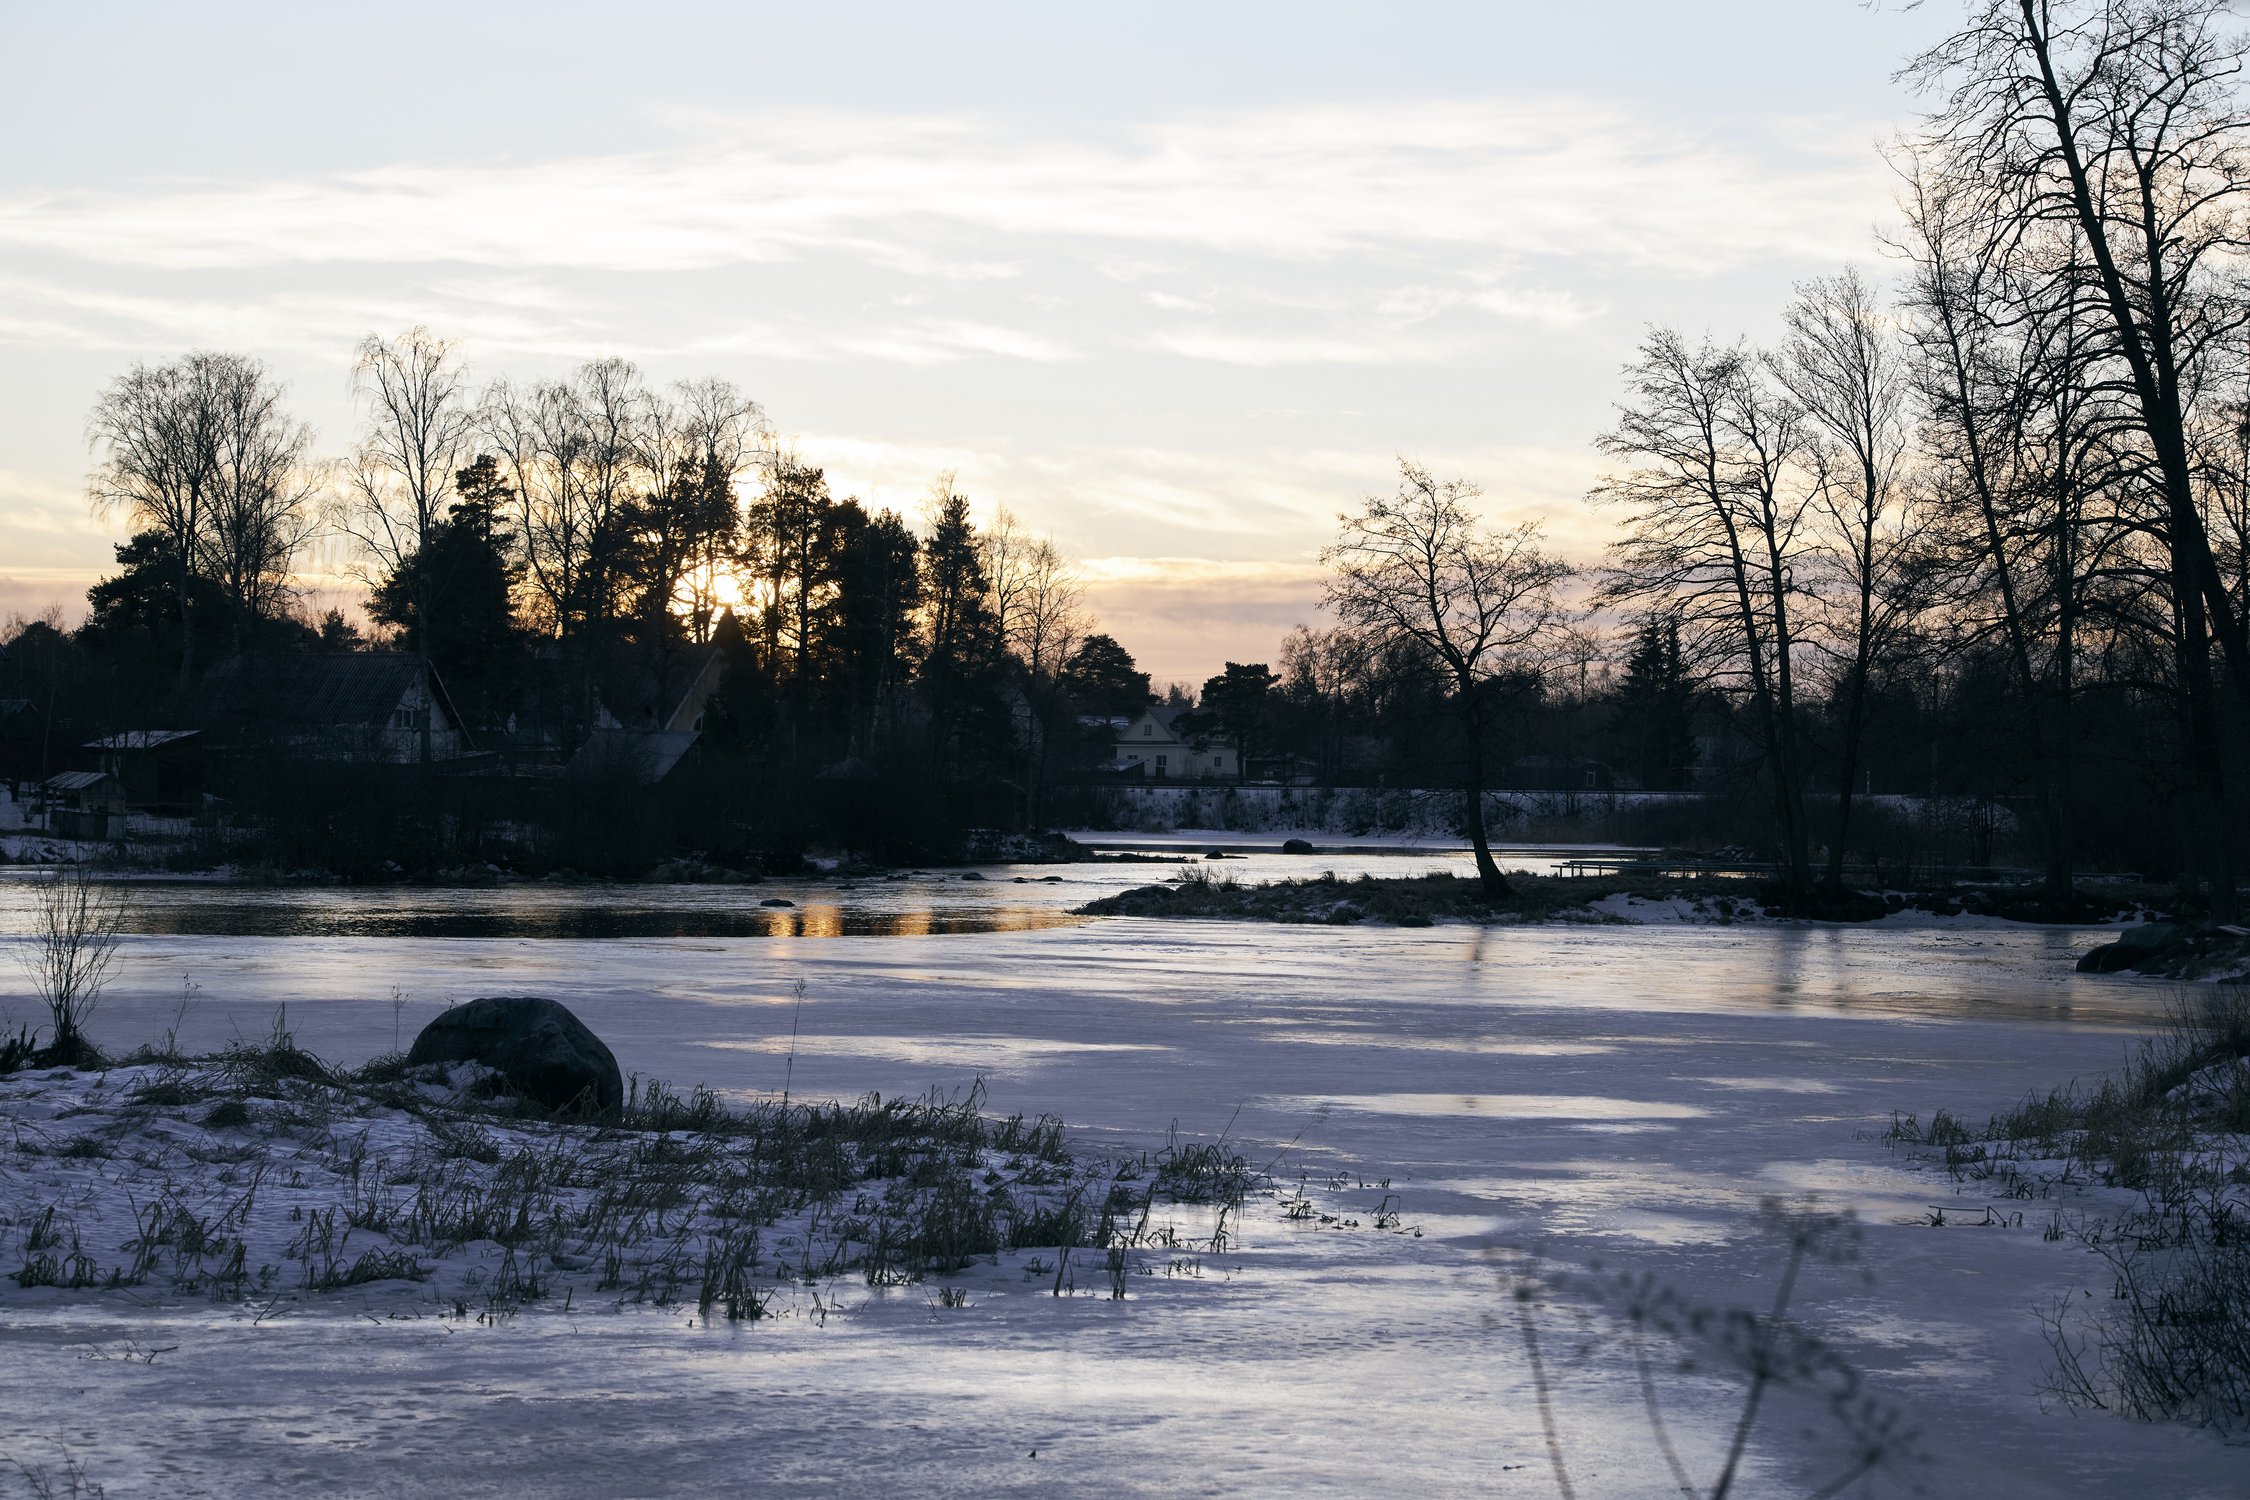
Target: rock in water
{"type": "Point", "coordinates": [544, 1051]}
{"type": "Point", "coordinates": [1296, 846]}
{"type": "Point", "coordinates": [2136, 948]}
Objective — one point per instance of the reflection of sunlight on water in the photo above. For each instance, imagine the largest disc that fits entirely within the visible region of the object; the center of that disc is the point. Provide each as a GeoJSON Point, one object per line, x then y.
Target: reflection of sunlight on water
{"type": "Point", "coordinates": [571, 914]}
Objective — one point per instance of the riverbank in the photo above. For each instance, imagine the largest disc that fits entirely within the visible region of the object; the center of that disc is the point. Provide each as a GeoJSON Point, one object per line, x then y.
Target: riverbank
{"type": "Point", "coordinates": [1425, 899]}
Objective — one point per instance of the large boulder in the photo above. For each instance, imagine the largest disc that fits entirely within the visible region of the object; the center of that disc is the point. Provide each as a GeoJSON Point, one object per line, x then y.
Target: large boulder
{"type": "Point", "coordinates": [543, 1051]}
{"type": "Point", "coordinates": [2136, 947]}
{"type": "Point", "coordinates": [1296, 846]}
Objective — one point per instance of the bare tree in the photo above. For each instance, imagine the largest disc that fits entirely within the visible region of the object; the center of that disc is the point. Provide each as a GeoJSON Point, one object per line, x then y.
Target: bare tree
{"type": "Point", "coordinates": [2119, 121]}
{"type": "Point", "coordinates": [611, 405]}
{"type": "Point", "coordinates": [580, 454]}
{"type": "Point", "coordinates": [1045, 620]}
{"type": "Point", "coordinates": [697, 444]}
{"type": "Point", "coordinates": [76, 922]}
{"type": "Point", "coordinates": [156, 433]}
{"type": "Point", "coordinates": [1842, 365]}
{"type": "Point", "coordinates": [1715, 536]}
{"type": "Point", "coordinates": [202, 452]}
{"type": "Point", "coordinates": [1418, 569]}
{"type": "Point", "coordinates": [536, 431]}
{"type": "Point", "coordinates": [2017, 456]}
{"type": "Point", "coordinates": [1004, 550]}
{"type": "Point", "coordinates": [416, 436]}
{"type": "Point", "coordinates": [261, 497]}
{"type": "Point", "coordinates": [1323, 672]}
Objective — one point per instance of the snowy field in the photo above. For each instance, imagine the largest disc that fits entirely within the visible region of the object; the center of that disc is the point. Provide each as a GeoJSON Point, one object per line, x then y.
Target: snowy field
{"type": "Point", "coordinates": [1625, 1095]}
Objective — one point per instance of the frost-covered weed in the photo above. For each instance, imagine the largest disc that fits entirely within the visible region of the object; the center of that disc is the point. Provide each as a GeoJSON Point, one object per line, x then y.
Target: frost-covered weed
{"type": "Point", "coordinates": [262, 1173]}
{"type": "Point", "coordinates": [2159, 1158]}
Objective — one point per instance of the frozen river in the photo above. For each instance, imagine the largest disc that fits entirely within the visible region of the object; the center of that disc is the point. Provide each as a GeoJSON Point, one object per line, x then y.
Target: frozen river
{"type": "Point", "coordinates": [1619, 1094]}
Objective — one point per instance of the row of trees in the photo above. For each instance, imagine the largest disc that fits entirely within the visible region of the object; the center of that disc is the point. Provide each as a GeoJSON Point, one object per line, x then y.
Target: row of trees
{"type": "Point", "coordinates": [538, 542]}
{"type": "Point", "coordinates": [2006, 506]}
{"type": "Point", "coordinates": [2030, 477]}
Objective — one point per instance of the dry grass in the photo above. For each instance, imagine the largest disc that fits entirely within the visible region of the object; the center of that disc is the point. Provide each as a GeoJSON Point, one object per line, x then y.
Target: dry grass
{"type": "Point", "coordinates": [2169, 1136]}
{"type": "Point", "coordinates": [264, 1173]}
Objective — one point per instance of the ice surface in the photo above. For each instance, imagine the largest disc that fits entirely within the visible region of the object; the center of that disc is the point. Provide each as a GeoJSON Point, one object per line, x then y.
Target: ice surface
{"type": "Point", "coordinates": [1720, 1065]}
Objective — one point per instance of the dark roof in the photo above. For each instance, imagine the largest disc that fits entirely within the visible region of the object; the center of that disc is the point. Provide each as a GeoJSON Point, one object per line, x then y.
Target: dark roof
{"type": "Point", "coordinates": [649, 755]}
{"type": "Point", "coordinates": [140, 739]}
{"type": "Point", "coordinates": [340, 690]}
{"type": "Point", "coordinates": [76, 781]}
{"type": "Point", "coordinates": [641, 694]}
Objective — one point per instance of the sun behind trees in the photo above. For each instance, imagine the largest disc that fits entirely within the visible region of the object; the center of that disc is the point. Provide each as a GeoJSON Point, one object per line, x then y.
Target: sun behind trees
{"type": "Point", "coordinates": [576, 566]}
{"type": "Point", "coordinates": [1967, 544]}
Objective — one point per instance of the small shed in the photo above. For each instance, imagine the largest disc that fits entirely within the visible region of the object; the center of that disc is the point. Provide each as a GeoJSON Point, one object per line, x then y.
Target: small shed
{"type": "Point", "coordinates": [84, 805]}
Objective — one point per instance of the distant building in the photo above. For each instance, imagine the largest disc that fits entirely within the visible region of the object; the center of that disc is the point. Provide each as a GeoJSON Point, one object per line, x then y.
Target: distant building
{"type": "Point", "coordinates": [156, 767]}
{"type": "Point", "coordinates": [1152, 745]}
{"type": "Point", "coordinates": [635, 757]}
{"type": "Point", "coordinates": [84, 805]}
{"type": "Point", "coordinates": [359, 705]}
{"type": "Point", "coordinates": [648, 723]}
{"type": "Point", "coordinates": [671, 700]}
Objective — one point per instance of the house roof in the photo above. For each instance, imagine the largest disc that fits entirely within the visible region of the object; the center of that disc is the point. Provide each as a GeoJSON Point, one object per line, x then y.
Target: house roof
{"type": "Point", "coordinates": [76, 781]}
{"type": "Point", "coordinates": [1157, 711]}
{"type": "Point", "coordinates": [140, 739]}
{"type": "Point", "coordinates": [651, 754]}
{"type": "Point", "coordinates": [639, 694]}
{"type": "Point", "coordinates": [337, 690]}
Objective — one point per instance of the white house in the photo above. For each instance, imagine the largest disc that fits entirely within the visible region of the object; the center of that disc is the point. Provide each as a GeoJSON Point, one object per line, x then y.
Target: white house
{"type": "Point", "coordinates": [1152, 742]}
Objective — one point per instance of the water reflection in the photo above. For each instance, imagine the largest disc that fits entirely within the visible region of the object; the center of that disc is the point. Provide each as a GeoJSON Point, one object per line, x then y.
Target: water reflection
{"type": "Point", "coordinates": [995, 898]}
{"type": "Point", "coordinates": [253, 918]}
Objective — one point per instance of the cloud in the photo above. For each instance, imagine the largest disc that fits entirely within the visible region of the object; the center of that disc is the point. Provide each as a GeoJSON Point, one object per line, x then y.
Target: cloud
{"type": "Point", "coordinates": [1182, 617]}
{"type": "Point", "coordinates": [1554, 177]}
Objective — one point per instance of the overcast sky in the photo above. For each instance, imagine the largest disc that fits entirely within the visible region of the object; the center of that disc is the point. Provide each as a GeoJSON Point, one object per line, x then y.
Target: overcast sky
{"type": "Point", "coordinates": [1174, 282]}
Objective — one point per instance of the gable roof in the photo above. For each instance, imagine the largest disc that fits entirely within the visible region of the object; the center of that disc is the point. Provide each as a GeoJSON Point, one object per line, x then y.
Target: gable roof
{"type": "Point", "coordinates": [76, 781]}
{"type": "Point", "coordinates": [668, 694]}
{"type": "Point", "coordinates": [646, 756]}
{"type": "Point", "coordinates": [332, 691]}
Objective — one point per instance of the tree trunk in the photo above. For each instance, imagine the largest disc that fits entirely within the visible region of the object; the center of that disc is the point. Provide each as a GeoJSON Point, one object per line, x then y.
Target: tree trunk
{"type": "Point", "coordinates": [1495, 884]}
{"type": "Point", "coordinates": [1855, 720]}
{"type": "Point", "coordinates": [2062, 777]}
{"type": "Point", "coordinates": [2207, 757]}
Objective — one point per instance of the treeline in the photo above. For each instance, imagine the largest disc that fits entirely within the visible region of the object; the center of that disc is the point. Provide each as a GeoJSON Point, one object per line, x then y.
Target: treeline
{"type": "Point", "coordinates": [1991, 537]}
{"type": "Point", "coordinates": [569, 554]}
{"type": "Point", "coordinates": [1983, 533]}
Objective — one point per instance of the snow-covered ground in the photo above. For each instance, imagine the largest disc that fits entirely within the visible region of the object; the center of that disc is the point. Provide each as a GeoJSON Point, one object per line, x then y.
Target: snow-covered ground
{"type": "Point", "coordinates": [1618, 1094]}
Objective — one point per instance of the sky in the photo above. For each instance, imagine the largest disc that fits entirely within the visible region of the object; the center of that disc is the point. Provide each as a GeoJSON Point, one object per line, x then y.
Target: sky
{"type": "Point", "coordinates": [1174, 283]}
